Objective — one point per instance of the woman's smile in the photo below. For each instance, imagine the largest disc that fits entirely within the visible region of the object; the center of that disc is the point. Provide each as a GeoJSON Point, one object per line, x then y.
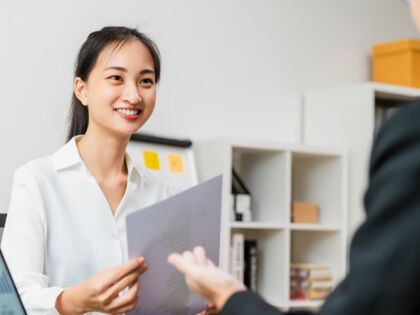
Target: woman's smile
{"type": "Point", "coordinates": [128, 113]}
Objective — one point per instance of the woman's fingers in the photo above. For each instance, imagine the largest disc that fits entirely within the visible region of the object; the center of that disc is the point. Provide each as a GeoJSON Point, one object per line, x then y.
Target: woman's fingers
{"type": "Point", "coordinates": [125, 309]}
{"type": "Point", "coordinates": [115, 290]}
{"type": "Point", "coordinates": [103, 290]}
{"type": "Point", "coordinates": [143, 268]}
{"type": "Point", "coordinates": [119, 279]}
{"type": "Point", "coordinates": [124, 303]}
{"type": "Point", "coordinates": [113, 275]}
{"type": "Point", "coordinates": [130, 266]}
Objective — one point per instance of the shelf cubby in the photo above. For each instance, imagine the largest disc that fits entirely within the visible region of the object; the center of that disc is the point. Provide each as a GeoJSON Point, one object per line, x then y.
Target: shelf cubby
{"type": "Point", "coordinates": [276, 174]}
{"type": "Point", "coordinates": [318, 178]}
{"type": "Point", "coordinates": [271, 246]}
{"type": "Point", "coordinates": [265, 172]}
{"type": "Point", "coordinates": [316, 247]}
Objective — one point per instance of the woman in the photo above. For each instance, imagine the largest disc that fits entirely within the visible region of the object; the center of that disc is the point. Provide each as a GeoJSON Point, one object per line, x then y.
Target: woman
{"type": "Point", "coordinates": [64, 238]}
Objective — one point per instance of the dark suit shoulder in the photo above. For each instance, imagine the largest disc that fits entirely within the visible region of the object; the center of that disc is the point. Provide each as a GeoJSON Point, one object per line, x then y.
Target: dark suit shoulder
{"type": "Point", "coordinates": [398, 132]}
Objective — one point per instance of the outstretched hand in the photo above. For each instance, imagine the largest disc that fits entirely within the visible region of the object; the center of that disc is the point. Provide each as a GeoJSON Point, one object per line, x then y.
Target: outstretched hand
{"type": "Point", "coordinates": [204, 278]}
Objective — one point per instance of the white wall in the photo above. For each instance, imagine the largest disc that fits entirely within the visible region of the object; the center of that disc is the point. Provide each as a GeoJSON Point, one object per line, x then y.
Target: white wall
{"type": "Point", "coordinates": [235, 68]}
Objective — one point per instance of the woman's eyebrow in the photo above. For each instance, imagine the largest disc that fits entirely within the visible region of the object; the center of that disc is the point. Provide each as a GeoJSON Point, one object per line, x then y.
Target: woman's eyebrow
{"type": "Point", "coordinates": [147, 71]}
{"type": "Point", "coordinates": [144, 71]}
{"type": "Point", "coordinates": [116, 68]}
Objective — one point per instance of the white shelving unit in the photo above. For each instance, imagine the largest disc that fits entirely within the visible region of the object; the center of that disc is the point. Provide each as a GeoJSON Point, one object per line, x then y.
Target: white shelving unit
{"type": "Point", "coordinates": [276, 174]}
{"type": "Point", "coordinates": [344, 117]}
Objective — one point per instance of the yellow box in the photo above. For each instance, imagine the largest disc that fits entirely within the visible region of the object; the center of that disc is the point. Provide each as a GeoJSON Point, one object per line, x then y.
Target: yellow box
{"type": "Point", "coordinates": [397, 63]}
{"type": "Point", "coordinates": [305, 212]}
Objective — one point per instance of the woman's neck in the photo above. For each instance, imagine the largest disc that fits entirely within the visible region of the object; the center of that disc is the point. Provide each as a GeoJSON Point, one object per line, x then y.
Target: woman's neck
{"type": "Point", "coordinates": [104, 155]}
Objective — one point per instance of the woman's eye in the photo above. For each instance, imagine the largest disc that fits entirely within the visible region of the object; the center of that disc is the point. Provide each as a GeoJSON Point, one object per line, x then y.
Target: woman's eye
{"type": "Point", "coordinates": [115, 78]}
{"type": "Point", "coordinates": [147, 82]}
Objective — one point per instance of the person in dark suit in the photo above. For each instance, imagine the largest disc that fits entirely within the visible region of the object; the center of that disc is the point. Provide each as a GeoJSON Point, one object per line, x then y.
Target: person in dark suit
{"type": "Point", "coordinates": [384, 273]}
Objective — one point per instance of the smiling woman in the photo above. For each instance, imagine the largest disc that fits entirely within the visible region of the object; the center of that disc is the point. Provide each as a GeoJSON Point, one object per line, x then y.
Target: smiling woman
{"type": "Point", "coordinates": [64, 237]}
{"type": "Point", "coordinates": [126, 62]}
{"type": "Point", "coordinates": [121, 85]}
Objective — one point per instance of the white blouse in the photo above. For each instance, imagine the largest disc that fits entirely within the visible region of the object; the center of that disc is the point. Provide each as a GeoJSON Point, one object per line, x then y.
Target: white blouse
{"type": "Point", "coordinates": [60, 229]}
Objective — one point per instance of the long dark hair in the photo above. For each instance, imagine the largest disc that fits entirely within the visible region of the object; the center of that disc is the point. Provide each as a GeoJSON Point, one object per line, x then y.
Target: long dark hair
{"type": "Point", "coordinates": [95, 43]}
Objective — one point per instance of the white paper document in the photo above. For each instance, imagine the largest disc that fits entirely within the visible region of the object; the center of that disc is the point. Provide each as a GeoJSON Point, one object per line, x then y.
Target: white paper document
{"type": "Point", "coordinates": [176, 224]}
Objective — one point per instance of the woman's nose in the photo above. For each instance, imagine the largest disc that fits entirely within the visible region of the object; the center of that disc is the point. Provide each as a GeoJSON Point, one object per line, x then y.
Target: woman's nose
{"type": "Point", "coordinates": [132, 95]}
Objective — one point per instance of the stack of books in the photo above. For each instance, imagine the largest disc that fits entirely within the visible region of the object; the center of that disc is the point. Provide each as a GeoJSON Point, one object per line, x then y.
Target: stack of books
{"type": "Point", "coordinates": [310, 281]}
{"type": "Point", "coordinates": [244, 260]}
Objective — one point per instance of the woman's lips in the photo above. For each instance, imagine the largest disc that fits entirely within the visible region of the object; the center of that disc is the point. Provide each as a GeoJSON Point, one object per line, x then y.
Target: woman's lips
{"type": "Point", "coordinates": [128, 113]}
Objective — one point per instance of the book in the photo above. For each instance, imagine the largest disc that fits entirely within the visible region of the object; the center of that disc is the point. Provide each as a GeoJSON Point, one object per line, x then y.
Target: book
{"type": "Point", "coordinates": [238, 256]}
{"type": "Point", "coordinates": [321, 285]}
{"type": "Point", "coordinates": [313, 271]}
{"type": "Point", "coordinates": [310, 266]}
{"type": "Point", "coordinates": [318, 294]}
{"type": "Point", "coordinates": [251, 264]}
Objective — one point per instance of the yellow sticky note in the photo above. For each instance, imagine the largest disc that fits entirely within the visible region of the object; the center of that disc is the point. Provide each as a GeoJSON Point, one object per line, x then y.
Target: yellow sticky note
{"type": "Point", "coordinates": [151, 160]}
{"type": "Point", "coordinates": [176, 163]}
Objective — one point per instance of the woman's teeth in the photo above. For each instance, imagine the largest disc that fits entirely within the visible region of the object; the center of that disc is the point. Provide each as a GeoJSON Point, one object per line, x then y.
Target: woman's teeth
{"type": "Point", "coordinates": [128, 111]}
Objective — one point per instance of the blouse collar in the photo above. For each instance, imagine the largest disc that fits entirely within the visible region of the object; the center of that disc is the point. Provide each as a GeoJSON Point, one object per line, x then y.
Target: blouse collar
{"type": "Point", "coordinates": [68, 156]}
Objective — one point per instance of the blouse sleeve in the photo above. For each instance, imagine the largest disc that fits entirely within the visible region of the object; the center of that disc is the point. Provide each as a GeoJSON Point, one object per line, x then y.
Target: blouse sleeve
{"type": "Point", "coordinates": [24, 244]}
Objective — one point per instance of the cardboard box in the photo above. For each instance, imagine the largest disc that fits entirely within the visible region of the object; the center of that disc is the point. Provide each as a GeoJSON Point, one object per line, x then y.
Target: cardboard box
{"type": "Point", "coordinates": [305, 212]}
{"type": "Point", "coordinates": [397, 63]}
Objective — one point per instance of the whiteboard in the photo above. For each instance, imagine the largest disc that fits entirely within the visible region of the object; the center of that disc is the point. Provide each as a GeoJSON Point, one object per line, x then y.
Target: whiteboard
{"type": "Point", "coordinates": [172, 159]}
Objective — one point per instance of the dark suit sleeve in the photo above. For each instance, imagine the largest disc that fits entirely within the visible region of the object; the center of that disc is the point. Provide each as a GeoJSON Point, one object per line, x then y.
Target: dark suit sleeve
{"type": "Point", "coordinates": [384, 274]}
{"type": "Point", "coordinates": [247, 303]}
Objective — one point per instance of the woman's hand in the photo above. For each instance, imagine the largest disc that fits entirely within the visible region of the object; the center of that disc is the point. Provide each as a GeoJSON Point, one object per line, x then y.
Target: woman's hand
{"type": "Point", "coordinates": [204, 278]}
{"type": "Point", "coordinates": [101, 292]}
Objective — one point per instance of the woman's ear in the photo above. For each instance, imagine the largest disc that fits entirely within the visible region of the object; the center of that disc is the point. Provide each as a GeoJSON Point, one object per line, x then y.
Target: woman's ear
{"type": "Point", "coordinates": [80, 90]}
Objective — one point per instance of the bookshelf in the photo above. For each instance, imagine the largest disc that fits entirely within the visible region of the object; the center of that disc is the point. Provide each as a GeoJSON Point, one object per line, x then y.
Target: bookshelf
{"type": "Point", "coordinates": [346, 117]}
{"type": "Point", "coordinates": [276, 174]}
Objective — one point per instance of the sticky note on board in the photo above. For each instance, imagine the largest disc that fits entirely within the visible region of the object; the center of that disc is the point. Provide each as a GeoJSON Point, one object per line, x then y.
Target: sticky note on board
{"type": "Point", "coordinates": [176, 163]}
{"type": "Point", "coordinates": [151, 160]}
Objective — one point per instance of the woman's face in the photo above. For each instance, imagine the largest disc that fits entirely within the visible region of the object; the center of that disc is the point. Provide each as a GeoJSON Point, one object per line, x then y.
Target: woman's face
{"type": "Point", "coordinates": [120, 92]}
